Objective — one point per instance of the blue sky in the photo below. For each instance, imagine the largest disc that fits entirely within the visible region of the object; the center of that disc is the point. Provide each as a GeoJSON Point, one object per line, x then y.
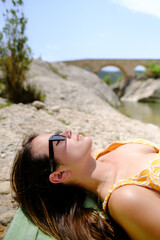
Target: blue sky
{"type": "Point", "coordinates": [69, 29]}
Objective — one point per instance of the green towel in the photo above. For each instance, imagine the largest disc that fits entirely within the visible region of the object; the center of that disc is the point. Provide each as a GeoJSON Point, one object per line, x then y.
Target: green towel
{"type": "Point", "coordinates": [22, 228]}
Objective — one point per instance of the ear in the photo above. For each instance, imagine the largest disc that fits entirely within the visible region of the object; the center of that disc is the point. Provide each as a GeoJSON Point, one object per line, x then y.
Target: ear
{"type": "Point", "coordinates": [59, 177]}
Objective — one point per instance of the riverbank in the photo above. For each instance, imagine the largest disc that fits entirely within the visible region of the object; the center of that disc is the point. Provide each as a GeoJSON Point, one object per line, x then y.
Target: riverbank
{"type": "Point", "coordinates": [145, 112]}
{"type": "Point", "coordinates": [76, 101]}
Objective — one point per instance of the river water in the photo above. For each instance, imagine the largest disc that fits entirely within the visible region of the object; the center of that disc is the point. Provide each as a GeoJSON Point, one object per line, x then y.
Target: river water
{"type": "Point", "coordinates": [145, 112]}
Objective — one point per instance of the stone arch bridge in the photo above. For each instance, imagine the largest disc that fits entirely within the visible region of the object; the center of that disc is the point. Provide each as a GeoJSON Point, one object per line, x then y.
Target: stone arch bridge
{"type": "Point", "coordinates": [127, 66]}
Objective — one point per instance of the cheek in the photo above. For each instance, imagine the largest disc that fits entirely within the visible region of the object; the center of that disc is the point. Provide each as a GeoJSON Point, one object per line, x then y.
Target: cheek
{"type": "Point", "coordinates": [60, 154]}
{"type": "Point", "coordinates": [74, 153]}
{"type": "Point", "coordinates": [82, 149]}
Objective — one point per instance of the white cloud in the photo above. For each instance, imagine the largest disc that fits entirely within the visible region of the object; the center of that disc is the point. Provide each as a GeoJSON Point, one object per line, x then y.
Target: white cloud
{"type": "Point", "coordinates": [151, 7]}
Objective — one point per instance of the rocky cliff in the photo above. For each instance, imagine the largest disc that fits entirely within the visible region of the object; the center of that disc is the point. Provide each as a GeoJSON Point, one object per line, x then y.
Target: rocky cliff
{"type": "Point", "coordinates": [75, 99]}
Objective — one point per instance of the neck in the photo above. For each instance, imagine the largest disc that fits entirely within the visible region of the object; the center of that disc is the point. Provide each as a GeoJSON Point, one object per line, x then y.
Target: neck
{"type": "Point", "coordinates": [97, 178]}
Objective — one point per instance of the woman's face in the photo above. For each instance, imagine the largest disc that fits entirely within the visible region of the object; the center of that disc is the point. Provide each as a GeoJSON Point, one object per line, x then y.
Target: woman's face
{"type": "Point", "coordinates": [71, 153]}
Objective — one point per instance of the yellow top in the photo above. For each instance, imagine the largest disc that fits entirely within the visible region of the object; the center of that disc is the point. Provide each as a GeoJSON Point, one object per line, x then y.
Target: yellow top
{"type": "Point", "coordinates": [148, 177]}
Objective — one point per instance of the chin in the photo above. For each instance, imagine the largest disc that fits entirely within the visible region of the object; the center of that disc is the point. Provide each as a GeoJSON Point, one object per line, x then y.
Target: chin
{"type": "Point", "coordinates": [89, 141]}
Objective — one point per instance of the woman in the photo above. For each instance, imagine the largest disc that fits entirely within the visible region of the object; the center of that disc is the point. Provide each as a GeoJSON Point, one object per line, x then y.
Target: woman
{"type": "Point", "coordinates": [50, 173]}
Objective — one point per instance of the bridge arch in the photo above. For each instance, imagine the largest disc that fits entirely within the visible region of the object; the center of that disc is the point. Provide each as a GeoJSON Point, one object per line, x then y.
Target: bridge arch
{"type": "Point", "coordinates": [114, 65]}
{"type": "Point", "coordinates": [111, 74]}
{"type": "Point", "coordinates": [139, 71]}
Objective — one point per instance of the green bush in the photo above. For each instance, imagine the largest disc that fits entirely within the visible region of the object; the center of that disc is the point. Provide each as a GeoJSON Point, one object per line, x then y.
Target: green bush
{"type": "Point", "coordinates": [153, 70]}
{"type": "Point", "coordinates": [15, 57]}
{"type": "Point", "coordinates": [107, 80]}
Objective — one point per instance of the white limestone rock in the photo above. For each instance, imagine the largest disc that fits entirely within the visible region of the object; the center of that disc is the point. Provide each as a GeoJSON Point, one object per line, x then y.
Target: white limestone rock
{"type": "Point", "coordinates": [55, 108]}
{"type": "Point", "coordinates": [39, 105]}
{"type": "Point", "coordinates": [7, 217]}
{"type": "Point", "coordinates": [143, 90]}
{"type": "Point", "coordinates": [5, 187]}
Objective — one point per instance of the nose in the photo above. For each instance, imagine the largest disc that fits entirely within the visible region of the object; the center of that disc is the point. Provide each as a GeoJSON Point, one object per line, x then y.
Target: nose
{"type": "Point", "coordinates": [67, 133]}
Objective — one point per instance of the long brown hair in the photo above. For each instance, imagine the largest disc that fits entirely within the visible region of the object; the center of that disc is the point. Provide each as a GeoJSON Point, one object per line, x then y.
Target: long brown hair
{"type": "Point", "coordinates": [57, 209]}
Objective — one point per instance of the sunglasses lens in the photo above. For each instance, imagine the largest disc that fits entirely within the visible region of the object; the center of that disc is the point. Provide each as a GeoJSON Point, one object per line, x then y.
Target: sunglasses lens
{"type": "Point", "coordinates": [57, 138]}
{"type": "Point", "coordinates": [51, 150]}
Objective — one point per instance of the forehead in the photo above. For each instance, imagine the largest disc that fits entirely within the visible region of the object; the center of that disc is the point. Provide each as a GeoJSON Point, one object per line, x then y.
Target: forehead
{"type": "Point", "coordinates": [40, 144]}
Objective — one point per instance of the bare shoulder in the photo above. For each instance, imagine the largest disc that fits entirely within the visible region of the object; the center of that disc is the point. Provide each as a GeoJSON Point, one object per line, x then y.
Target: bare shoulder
{"type": "Point", "coordinates": [124, 196]}
{"type": "Point", "coordinates": [136, 209]}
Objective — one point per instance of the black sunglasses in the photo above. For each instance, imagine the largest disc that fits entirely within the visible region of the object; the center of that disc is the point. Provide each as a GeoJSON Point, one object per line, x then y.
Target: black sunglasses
{"type": "Point", "coordinates": [51, 152]}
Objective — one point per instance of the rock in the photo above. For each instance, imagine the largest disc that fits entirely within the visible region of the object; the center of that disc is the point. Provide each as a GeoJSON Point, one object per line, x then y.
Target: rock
{"type": "Point", "coordinates": [39, 105]}
{"type": "Point", "coordinates": [4, 173]}
{"type": "Point", "coordinates": [3, 101]}
{"type": "Point", "coordinates": [142, 90]}
{"type": "Point", "coordinates": [20, 104]}
{"type": "Point", "coordinates": [2, 231]}
{"type": "Point", "coordinates": [89, 80]}
{"type": "Point", "coordinates": [5, 187]}
{"type": "Point", "coordinates": [3, 209]}
{"type": "Point", "coordinates": [7, 217]}
{"type": "Point", "coordinates": [55, 108]}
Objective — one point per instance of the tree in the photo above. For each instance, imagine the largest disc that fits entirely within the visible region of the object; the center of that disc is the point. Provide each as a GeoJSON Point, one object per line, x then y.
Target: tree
{"type": "Point", "coordinates": [153, 70]}
{"type": "Point", "coordinates": [15, 56]}
{"type": "Point", "coordinates": [107, 80]}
